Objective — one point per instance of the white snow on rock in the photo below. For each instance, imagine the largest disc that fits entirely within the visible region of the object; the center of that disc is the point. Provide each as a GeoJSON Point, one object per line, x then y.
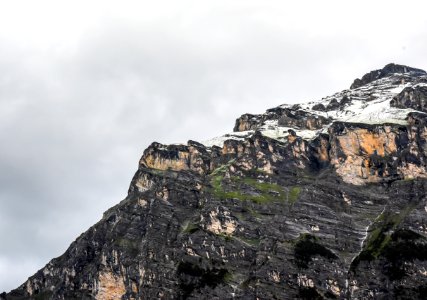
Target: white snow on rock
{"type": "Point", "coordinates": [379, 112]}
{"type": "Point", "coordinates": [369, 104]}
{"type": "Point", "coordinates": [219, 141]}
{"type": "Point", "coordinates": [272, 130]}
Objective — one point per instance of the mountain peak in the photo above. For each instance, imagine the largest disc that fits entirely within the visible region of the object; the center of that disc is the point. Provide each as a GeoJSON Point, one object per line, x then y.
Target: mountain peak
{"type": "Point", "coordinates": [304, 201]}
{"type": "Point", "coordinates": [384, 72]}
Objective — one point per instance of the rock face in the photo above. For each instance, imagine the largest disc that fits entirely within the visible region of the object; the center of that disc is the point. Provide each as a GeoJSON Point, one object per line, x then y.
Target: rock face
{"type": "Point", "coordinates": [384, 72]}
{"type": "Point", "coordinates": [322, 200]}
{"type": "Point", "coordinates": [411, 97]}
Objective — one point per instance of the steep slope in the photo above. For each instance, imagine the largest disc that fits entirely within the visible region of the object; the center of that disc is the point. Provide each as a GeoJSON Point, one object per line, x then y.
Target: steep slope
{"type": "Point", "coordinates": [319, 200]}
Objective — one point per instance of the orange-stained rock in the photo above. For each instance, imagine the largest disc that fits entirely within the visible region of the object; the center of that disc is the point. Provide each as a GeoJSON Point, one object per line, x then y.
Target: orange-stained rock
{"type": "Point", "coordinates": [368, 142]}
{"type": "Point", "coordinates": [110, 286]}
{"type": "Point", "coordinates": [353, 147]}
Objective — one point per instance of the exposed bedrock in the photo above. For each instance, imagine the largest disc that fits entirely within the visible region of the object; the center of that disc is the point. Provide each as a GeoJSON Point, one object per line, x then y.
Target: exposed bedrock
{"type": "Point", "coordinates": [359, 153]}
{"type": "Point", "coordinates": [286, 117]}
{"type": "Point", "coordinates": [370, 153]}
{"type": "Point", "coordinates": [384, 72]}
{"type": "Point", "coordinates": [411, 97]}
{"type": "Point", "coordinates": [192, 156]}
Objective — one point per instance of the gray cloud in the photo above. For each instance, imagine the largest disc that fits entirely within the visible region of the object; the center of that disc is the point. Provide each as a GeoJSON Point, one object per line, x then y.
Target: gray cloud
{"type": "Point", "coordinates": [76, 114]}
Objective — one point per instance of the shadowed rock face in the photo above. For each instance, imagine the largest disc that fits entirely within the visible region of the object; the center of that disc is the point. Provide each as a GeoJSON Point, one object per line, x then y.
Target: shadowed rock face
{"type": "Point", "coordinates": [246, 122]}
{"type": "Point", "coordinates": [304, 205]}
{"type": "Point", "coordinates": [411, 97]}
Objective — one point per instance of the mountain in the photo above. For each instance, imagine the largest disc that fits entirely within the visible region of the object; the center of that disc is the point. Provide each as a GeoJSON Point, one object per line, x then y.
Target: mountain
{"type": "Point", "coordinates": [319, 200]}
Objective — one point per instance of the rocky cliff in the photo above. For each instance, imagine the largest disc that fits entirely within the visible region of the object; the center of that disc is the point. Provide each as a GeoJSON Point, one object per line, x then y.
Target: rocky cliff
{"type": "Point", "coordinates": [321, 200]}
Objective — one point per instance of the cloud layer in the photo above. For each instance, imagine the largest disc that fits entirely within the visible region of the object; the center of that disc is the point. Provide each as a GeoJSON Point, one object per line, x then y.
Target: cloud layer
{"type": "Point", "coordinates": [85, 87]}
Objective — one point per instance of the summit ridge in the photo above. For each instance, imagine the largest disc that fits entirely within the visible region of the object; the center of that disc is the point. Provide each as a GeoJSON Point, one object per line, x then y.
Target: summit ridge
{"type": "Point", "coordinates": [388, 70]}
{"type": "Point", "coordinates": [374, 102]}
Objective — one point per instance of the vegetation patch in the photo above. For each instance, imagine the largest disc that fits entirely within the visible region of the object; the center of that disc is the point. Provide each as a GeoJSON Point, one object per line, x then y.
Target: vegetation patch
{"type": "Point", "coordinates": [254, 213]}
{"type": "Point", "coordinates": [293, 194]}
{"type": "Point", "coordinates": [250, 189]}
{"type": "Point", "coordinates": [190, 228]}
{"type": "Point", "coordinates": [193, 277]}
{"type": "Point", "coordinates": [405, 246]}
{"type": "Point", "coordinates": [45, 295]}
{"type": "Point", "coordinates": [306, 247]}
{"type": "Point", "coordinates": [130, 246]}
{"type": "Point", "coordinates": [392, 245]}
{"type": "Point", "coordinates": [226, 237]}
{"type": "Point", "coordinates": [380, 236]}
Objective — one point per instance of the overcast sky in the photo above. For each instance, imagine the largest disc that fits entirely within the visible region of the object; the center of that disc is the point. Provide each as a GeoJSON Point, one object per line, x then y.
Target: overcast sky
{"type": "Point", "coordinates": [86, 86]}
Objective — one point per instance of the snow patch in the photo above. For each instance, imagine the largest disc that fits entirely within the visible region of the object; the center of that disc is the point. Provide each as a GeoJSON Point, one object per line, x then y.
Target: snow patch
{"type": "Point", "coordinates": [219, 141]}
{"type": "Point", "coordinates": [369, 104]}
{"type": "Point", "coordinates": [272, 130]}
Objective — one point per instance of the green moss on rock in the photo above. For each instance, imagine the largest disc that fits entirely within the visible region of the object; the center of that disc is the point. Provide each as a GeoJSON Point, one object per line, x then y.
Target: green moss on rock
{"type": "Point", "coordinates": [251, 189]}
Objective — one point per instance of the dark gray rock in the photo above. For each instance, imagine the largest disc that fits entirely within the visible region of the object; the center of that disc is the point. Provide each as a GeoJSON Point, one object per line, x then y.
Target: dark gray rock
{"type": "Point", "coordinates": [384, 72]}
{"type": "Point", "coordinates": [301, 119]}
{"type": "Point", "coordinates": [319, 107]}
{"type": "Point", "coordinates": [339, 216]}
{"type": "Point", "coordinates": [411, 97]}
{"type": "Point", "coordinates": [288, 117]}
